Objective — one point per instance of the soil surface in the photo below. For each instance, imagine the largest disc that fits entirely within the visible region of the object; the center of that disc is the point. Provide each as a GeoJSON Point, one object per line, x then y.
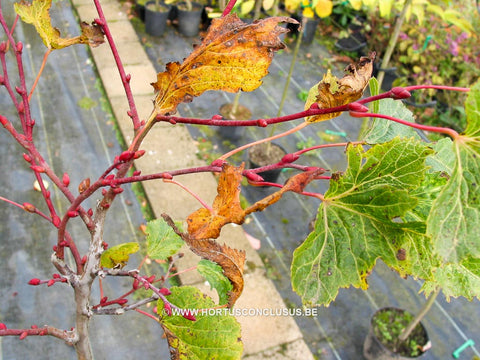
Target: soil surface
{"type": "Point", "coordinates": [266, 154]}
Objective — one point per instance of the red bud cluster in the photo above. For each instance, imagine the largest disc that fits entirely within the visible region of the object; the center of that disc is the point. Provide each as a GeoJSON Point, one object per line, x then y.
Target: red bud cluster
{"type": "Point", "coordinates": [357, 107]}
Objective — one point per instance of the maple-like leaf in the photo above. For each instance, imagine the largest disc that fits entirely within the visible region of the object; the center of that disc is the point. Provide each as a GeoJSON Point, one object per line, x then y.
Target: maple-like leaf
{"type": "Point", "coordinates": [213, 335]}
{"type": "Point", "coordinates": [233, 56]}
{"type": "Point", "coordinates": [360, 221]}
{"type": "Point", "coordinates": [37, 13]}
{"type": "Point", "coordinates": [332, 92]}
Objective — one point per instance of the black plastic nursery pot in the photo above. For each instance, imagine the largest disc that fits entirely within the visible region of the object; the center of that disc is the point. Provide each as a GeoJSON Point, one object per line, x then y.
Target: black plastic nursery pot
{"type": "Point", "coordinates": [156, 18]}
{"type": "Point", "coordinates": [189, 19]}
{"type": "Point", "coordinates": [266, 154]}
{"type": "Point", "coordinates": [375, 349]}
{"type": "Point", "coordinates": [310, 30]}
{"type": "Point", "coordinates": [233, 132]}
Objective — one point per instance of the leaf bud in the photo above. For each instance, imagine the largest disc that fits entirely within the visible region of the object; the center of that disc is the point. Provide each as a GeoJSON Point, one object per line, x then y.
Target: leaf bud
{"type": "Point", "coordinates": [43, 332]}
{"type": "Point", "coordinates": [151, 279]}
{"type": "Point", "coordinates": [56, 276]}
{"type": "Point", "coordinates": [253, 176]}
{"type": "Point", "coordinates": [27, 157]}
{"type": "Point", "coordinates": [3, 326]}
{"type": "Point", "coordinates": [29, 207]}
{"type": "Point", "coordinates": [117, 190]}
{"type": "Point", "coordinates": [167, 176]}
{"type": "Point", "coordinates": [189, 316]}
{"type": "Point", "coordinates": [37, 168]}
{"type": "Point", "coordinates": [84, 185]}
{"type": "Point", "coordinates": [55, 248]}
{"type": "Point", "coordinates": [126, 156]}
{"type": "Point", "coordinates": [19, 47]}
{"type": "Point", "coordinates": [167, 308]}
{"type": "Point", "coordinates": [72, 213]}
{"type": "Point", "coordinates": [122, 301]}
{"type": "Point", "coordinates": [2, 80]}
{"type": "Point", "coordinates": [90, 212]}
{"type": "Point", "coordinates": [34, 282]}
{"type": "Point", "coordinates": [314, 106]}
{"type": "Point", "coordinates": [99, 22]}
{"type": "Point", "coordinates": [66, 179]}
{"type": "Point", "coordinates": [165, 291]}
{"type": "Point", "coordinates": [138, 154]}
{"type": "Point", "coordinates": [104, 192]}
{"type": "Point", "coordinates": [217, 117]}
{"type": "Point", "coordinates": [136, 284]}
{"type": "Point", "coordinates": [20, 90]}
{"type": "Point", "coordinates": [136, 173]}
{"type": "Point", "coordinates": [3, 46]}
{"type": "Point", "coordinates": [105, 205]}
{"type": "Point", "coordinates": [34, 327]}
{"type": "Point", "coordinates": [400, 93]}
{"type": "Point", "coordinates": [63, 243]}
{"type": "Point", "coordinates": [289, 158]}
{"type": "Point", "coordinates": [23, 335]}
{"type": "Point", "coordinates": [104, 245]}
{"type": "Point", "coordinates": [357, 107]}
{"type": "Point", "coordinates": [128, 77]}
{"type": "Point", "coordinates": [103, 300]}
{"type": "Point", "coordinates": [262, 123]}
{"type": "Point", "coordinates": [84, 259]}
{"type": "Point", "coordinates": [56, 221]}
{"type": "Point", "coordinates": [218, 162]}
{"type": "Point", "coordinates": [356, 114]}
{"type": "Point", "coordinates": [50, 282]}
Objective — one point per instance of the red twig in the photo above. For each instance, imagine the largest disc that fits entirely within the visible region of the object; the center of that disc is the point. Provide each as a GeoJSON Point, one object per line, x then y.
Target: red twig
{"type": "Point", "coordinates": [102, 21]}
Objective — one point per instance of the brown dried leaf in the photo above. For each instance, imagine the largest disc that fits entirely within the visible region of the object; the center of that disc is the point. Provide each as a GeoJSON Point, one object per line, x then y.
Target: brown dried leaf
{"type": "Point", "coordinates": [37, 13]}
{"type": "Point", "coordinates": [205, 225]}
{"type": "Point", "coordinates": [233, 56]}
{"type": "Point", "coordinates": [332, 92]}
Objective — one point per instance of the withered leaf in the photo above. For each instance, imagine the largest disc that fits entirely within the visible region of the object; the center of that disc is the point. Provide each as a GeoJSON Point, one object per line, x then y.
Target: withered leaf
{"type": "Point", "coordinates": [37, 13]}
{"type": "Point", "coordinates": [204, 225]}
{"type": "Point", "coordinates": [332, 92]}
{"type": "Point", "coordinates": [233, 56]}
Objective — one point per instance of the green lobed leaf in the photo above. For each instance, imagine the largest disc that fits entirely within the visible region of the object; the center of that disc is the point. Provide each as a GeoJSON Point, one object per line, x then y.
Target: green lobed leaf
{"type": "Point", "coordinates": [444, 158]}
{"type": "Point", "coordinates": [383, 130]}
{"type": "Point", "coordinates": [455, 217]}
{"type": "Point", "coordinates": [213, 273]}
{"type": "Point", "coordinates": [118, 255]}
{"type": "Point", "coordinates": [162, 241]}
{"type": "Point", "coordinates": [211, 336]}
{"type": "Point", "coordinates": [359, 222]}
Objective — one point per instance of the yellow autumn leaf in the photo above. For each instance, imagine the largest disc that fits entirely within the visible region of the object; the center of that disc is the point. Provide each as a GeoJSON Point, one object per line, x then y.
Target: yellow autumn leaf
{"type": "Point", "coordinates": [332, 92]}
{"type": "Point", "coordinates": [324, 8]}
{"type": "Point", "coordinates": [37, 13]}
{"type": "Point", "coordinates": [268, 4]}
{"type": "Point", "coordinates": [233, 56]}
{"type": "Point", "coordinates": [118, 255]}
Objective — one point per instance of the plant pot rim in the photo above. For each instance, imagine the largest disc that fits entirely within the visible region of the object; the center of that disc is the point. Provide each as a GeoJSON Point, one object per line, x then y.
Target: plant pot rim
{"type": "Point", "coordinates": [163, 6]}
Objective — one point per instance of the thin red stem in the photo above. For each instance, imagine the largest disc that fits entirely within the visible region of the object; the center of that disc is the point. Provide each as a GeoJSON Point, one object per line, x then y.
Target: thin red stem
{"type": "Point", "coordinates": [229, 7]}
{"type": "Point", "coordinates": [450, 132]}
{"type": "Point", "coordinates": [121, 70]}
